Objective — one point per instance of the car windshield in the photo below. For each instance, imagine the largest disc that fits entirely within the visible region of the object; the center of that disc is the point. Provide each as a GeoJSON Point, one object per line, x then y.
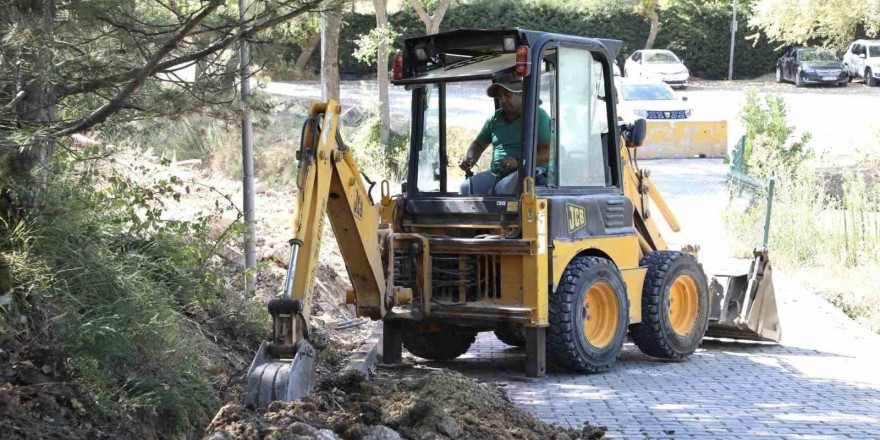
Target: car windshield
{"type": "Point", "coordinates": [874, 51]}
{"type": "Point", "coordinates": [816, 55]}
{"type": "Point", "coordinates": [661, 58]}
{"type": "Point", "coordinates": [646, 92]}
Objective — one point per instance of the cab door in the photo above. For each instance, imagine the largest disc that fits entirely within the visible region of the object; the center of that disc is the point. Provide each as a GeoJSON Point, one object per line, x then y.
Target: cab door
{"type": "Point", "coordinates": [583, 174]}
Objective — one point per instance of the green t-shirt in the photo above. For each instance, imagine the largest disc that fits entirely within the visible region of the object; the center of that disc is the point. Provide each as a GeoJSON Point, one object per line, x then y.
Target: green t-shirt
{"type": "Point", "coordinates": [505, 136]}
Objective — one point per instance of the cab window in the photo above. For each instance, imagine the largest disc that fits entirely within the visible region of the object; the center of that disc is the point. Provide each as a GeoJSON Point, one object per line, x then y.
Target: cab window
{"type": "Point", "coordinates": [582, 120]}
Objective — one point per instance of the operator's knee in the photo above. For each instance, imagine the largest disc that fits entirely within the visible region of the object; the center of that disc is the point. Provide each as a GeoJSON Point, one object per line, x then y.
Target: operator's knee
{"type": "Point", "coordinates": [479, 184]}
{"type": "Point", "coordinates": [507, 185]}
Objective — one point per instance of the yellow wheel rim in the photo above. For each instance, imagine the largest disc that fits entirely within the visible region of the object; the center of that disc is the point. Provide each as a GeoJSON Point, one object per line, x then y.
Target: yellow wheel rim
{"type": "Point", "coordinates": [600, 314]}
{"type": "Point", "coordinates": [684, 305]}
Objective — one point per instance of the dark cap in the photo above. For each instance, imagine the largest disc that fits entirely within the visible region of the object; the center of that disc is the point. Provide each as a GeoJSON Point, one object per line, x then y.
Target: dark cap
{"type": "Point", "coordinates": [511, 85]}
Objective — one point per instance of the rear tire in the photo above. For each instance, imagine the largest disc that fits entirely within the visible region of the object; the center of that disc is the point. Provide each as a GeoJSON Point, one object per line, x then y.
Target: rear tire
{"type": "Point", "coordinates": [589, 312]}
{"type": "Point", "coordinates": [438, 346]}
{"type": "Point", "coordinates": [675, 306]}
{"type": "Point", "coordinates": [511, 335]}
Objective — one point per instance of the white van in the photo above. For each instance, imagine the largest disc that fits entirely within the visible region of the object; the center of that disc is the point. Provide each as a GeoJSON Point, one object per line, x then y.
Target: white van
{"type": "Point", "coordinates": [862, 60]}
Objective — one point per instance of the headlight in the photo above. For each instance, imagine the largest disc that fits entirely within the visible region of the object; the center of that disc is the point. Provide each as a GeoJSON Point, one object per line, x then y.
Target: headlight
{"type": "Point", "coordinates": [641, 113]}
{"type": "Point", "coordinates": [808, 69]}
{"type": "Point", "coordinates": [689, 112]}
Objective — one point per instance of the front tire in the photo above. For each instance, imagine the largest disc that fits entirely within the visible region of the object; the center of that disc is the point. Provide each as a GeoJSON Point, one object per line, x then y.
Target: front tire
{"type": "Point", "coordinates": [778, 75]}
{"type": "Point", "coordinates": [589, 312]}
{"type": "Point", "coordinates": [675, 306]}
{"type": "Point", "coordinates": [798, 81]}
{"type": "Point", "coordinates": [438, 345]}
{"type": "Point", "coordinates": [869, 78]}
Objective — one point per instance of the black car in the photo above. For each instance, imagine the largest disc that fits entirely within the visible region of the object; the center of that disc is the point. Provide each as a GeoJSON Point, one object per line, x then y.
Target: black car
{"type": "Point", "coordinates": [804, 65]}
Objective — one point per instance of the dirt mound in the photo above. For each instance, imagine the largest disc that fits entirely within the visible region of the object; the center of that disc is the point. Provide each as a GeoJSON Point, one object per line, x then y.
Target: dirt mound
{"type": "Point", "coordinates": [38, 401]}
{"type": "Point", "coordinates": [440, 405]}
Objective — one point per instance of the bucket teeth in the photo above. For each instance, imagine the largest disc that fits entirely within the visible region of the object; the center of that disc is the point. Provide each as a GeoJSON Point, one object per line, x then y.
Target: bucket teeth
{"type": "Point", "coordinates": [273, 379]}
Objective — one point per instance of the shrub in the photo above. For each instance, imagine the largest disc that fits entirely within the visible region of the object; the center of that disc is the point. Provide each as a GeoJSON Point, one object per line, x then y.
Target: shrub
{"type": "Point", "coordinates": [809, 226]}
{"type": "Point", "coordinates": [97, 269]}
{"type": "Point", "coordinates": [378, 160]}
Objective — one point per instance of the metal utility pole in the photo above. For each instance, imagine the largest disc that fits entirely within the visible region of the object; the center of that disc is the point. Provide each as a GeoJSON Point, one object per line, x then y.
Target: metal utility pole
{"type": "Point", "coordinates": [733, 26]}
{"type": "Point", "coordinates": [247, 156]}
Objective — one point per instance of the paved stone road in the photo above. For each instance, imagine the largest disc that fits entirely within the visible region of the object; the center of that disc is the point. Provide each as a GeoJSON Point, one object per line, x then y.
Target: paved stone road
{"type": "Point", "coordinates": [822, 382]}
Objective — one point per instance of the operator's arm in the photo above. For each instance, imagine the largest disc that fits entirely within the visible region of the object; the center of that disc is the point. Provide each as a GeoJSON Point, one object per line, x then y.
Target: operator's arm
{"type": "Point", "coordinates": [478, 146]}
{"type": "Point", "coordinates": [473, 154]}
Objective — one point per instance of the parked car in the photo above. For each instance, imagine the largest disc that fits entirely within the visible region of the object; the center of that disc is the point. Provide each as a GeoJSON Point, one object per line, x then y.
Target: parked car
{"type": "Point", "coordinates": [862, 60]}
{"type": "Point", "coordinates": [660, 65]}
{"type": "Point", "coordinates": [652, 100]}
{"type": "Point", "coordinates": [806, 65]}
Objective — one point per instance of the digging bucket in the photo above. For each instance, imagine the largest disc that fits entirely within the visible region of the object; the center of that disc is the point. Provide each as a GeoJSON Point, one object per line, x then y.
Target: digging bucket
{"type": "Point", "coordinates": [746, 308]}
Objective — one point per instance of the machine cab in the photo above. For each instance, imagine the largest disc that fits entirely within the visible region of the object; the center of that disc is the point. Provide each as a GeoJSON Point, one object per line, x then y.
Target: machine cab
{"type": "Point", "coordinates": [564, 138]}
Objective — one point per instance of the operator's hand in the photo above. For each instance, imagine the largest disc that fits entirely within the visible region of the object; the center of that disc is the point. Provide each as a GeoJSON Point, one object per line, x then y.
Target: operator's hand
{"type": "Point", "coordinates": [467, 163]}
{"type": "Point", "coordinates": [508, 163]}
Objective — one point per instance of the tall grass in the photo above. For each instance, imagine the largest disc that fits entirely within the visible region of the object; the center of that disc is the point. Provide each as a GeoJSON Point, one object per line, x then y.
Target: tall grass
{"type": "Point", "coordinates": [813, 225]}
{"type": "Point", "coordinates": [810, 224]}
{"type": "Point", "coordinates": [114, 297]}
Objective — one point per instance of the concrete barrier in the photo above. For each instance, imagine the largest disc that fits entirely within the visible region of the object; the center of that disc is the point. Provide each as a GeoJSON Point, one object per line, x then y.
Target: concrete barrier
{"type": "Point", "coordinates": [681, 139]}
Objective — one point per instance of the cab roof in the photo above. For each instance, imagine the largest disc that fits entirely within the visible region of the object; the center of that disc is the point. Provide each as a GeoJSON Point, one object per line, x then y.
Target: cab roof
{"type": "Point", "coordinates": [473, 54]}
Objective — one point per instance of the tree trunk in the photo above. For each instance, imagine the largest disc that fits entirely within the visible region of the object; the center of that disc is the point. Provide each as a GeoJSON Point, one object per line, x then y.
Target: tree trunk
{"type": "Point", "coordinates": [431, 22]}
{"type": "Point", "coordinates": [382, 79]}
{"type": "Point", "coordinates": [37, 107]}
{"type": "Point", "coordinates": [331, 23]}
{"type": "Point", "coordinates": [307, 50]}
{"type": "Point", "coordinates": [655, 24]}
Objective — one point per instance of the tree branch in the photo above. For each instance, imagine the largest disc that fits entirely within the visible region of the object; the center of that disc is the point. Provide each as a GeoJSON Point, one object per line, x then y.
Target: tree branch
{"type": "Point", "coordinates": [420, 11]}
{"type": "Point", "coordinates": [150, 68]}
{"type": "Point", "coordinates": [219, 45]}
{"type": "Point", "coordinates": [18, 97]}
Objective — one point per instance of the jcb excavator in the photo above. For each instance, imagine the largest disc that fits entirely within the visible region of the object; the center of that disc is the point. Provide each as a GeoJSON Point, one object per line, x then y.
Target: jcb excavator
{"type": "Point", "coordinates": [567, 263]}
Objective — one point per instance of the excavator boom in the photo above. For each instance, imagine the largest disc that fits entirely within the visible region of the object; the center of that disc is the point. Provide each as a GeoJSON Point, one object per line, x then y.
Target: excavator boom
{"type": "Point", "coordinates": [329, 185]}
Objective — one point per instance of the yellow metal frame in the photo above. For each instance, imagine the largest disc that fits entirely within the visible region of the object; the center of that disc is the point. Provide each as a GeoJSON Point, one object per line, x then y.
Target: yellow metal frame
{"type": "Point", "coordinates": [329, 183]}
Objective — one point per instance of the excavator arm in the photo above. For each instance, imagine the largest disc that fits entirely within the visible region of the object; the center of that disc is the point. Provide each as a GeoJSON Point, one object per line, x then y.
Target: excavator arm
{"type": "Point", "coordinates": [746, 309]}
{"type": "Point", "coordinates": [329, 185]}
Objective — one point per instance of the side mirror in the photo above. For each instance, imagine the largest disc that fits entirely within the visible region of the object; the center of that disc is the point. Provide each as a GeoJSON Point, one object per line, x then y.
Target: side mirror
{"type": "Point", "coordinates": [862, 56]}
{"type": "Point", "coordinates": [634, 134]}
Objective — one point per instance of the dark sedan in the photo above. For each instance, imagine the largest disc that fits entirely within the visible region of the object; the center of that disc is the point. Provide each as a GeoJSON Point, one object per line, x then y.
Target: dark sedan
{"type": "Point", "coordinates": [803, 66]}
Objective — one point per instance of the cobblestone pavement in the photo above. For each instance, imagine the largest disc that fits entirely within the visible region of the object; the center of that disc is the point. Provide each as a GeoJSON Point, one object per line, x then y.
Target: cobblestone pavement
{"type": "Point", "coordinates": [822, 382]}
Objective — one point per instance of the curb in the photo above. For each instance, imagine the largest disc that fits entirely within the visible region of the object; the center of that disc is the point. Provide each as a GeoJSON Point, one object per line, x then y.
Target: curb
{"type": "Point", "coordinates": [368, 354]}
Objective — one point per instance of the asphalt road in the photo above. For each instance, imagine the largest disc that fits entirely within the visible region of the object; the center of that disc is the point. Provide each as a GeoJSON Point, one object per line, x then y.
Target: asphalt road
{"type": "Point", "coordinates": [844, 121]}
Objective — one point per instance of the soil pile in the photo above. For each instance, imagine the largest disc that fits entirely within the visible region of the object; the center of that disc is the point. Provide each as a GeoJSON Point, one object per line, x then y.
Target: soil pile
{"type": "Point", "coordinates": [440, 405]}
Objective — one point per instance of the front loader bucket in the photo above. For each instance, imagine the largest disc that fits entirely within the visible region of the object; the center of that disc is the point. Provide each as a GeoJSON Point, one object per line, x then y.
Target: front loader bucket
{"type": "Point", "coordinates": [279, 373]}
{"type": "Point", "coordinates": [747, 309]}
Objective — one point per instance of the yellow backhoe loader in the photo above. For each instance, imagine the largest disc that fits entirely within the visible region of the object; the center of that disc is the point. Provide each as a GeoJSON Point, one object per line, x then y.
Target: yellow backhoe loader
{"type": "Point", "coordinates": [566, 261]}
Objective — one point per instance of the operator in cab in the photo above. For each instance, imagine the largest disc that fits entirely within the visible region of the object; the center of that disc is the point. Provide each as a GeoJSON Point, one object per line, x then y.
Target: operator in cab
{"type": "Point", "coordinates": [503, 130]}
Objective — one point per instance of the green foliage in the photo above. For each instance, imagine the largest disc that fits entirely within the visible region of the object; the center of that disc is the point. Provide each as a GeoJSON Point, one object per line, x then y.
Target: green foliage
{"type": "Point", "coordinates": [697, 31]}
{"type": "Point", "coordinates": [810, 226]}
{"type": "Point", "coordinates": [116, 287]}
{"type": "Point", "coordinates": [387, 161]}
{"type": "Point", "coordinates": [835, 22]}
{"type": "Point", "coordinates": [368, 44]}
{"type": "Point", "coordinates": [769, 141]}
